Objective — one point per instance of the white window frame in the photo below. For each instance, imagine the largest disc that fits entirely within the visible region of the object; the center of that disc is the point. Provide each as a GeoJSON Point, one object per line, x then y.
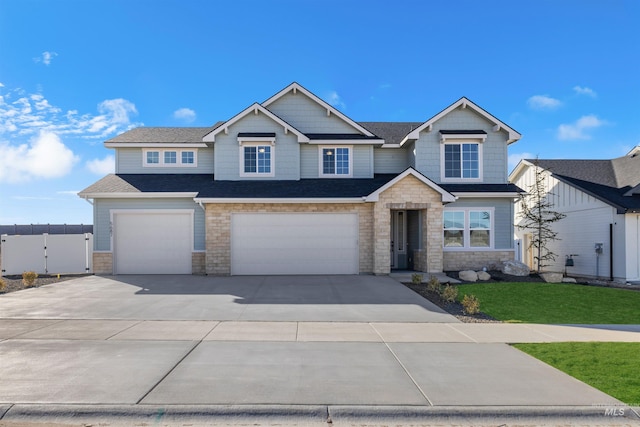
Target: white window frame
{"type": "Point", "coordinates": [321, 173]}
{"type": "Point", "coordinates": [460, 142]}
{"type": "Point", "coordinates": [467, 229]}
{"type": "Point", "coordinates": [161, 152]}
{"type": "Point", "coordinates": [252, 142]}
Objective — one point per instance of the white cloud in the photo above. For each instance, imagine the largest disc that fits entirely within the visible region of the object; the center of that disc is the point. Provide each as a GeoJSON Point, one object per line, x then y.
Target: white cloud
{"type": "Point", "coordinates": [44, 157]}
{"type": "Point", "coordinates": [334, 99]}
{"type": "Point", "coordinates": [45, 58]}
{"type": "Point", "coordinates": [579, 129]}
{"type": "Point", "coordinates": [186, 114]}
{"type": "Point", "coordinates": [543, 102]}
{"type": "Point", "coordinates": [28, 114]}
{"type": "Point", "coordinates": [102, 166]}
{"type": "Point", "coordinates": [585, 91]}
{"type": "Point", "coordinates": [515, 158]}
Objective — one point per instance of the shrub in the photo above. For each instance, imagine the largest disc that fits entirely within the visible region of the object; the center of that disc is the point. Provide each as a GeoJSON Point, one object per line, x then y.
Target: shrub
{"type": "Point", "coordinates": [449, 293]}
{"type": "Point", "coordinates": [416, 278]}
{"type": "Point", "coordinates": [470, 304]}
{"type": "Point", "coordinates": [29, 278]}
{"type": "Point", "coordinates": [433, 284]}
{"type": "Point", "coordinates": [3, 285]}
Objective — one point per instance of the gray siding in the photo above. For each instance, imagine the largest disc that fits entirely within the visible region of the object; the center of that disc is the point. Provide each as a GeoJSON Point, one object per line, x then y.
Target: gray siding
{"type": "Point", "coordinates": [310, 166]}
{"type": "Point", "coordinates": [494, 149]}
{"type": "Point", "coordinates": [286, 151]}
{"type": "Point", "coordinates": [307, 116]}
{"type": "Point", "coordinates": [102, 218]}
{"type": "Point", "coordinates": [390, 160]}
{"type": "Point", "coordinates": [129, 160]}
{"type": "Point", "coordinates": [502, 221]}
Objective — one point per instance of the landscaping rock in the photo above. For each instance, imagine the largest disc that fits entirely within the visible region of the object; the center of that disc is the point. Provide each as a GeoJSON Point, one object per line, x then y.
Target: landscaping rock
{"type": "Point", "coordinates": [468, 275]}
{"type": "Point", "coordinates": [569, 280]}
{"type": "Point", "coordinates": [551, 277]}
{"type": "Point", "coordinates": [515, 268]}
{"type": "Point", "coordinates": [483, 275]}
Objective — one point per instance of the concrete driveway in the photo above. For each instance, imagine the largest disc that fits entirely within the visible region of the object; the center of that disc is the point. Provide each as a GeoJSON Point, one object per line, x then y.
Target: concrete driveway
{"type": "Point", "coordinates": [251, 298]}
{"type": "Point", "coordinates": [146, 346]}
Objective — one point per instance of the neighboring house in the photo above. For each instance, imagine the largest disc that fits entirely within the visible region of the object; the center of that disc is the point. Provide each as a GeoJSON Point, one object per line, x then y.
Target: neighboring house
{"type": "Point", "coordinates": [293, 186]}
{"type": "Point", "coordinates": [601, 199]}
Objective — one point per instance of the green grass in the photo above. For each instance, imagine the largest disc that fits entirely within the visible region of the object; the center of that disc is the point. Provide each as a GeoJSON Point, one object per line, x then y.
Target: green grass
{"type": "Point", "coordinates": [613, 368]}
{"type": "Point", "coordinates": [555, 303]}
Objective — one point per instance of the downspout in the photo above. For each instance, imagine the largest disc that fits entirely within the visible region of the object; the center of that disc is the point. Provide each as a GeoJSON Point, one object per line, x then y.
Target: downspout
{"type": "Point", "coordinates": [86, 199]}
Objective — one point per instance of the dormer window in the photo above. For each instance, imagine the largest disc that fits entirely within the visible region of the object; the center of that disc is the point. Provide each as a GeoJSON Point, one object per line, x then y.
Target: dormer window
{"type": "Point", "coordinates": [335, 162]}
{"type": "Point", "coordinates": [257, 154]}
{"type": "Point", "coordinates": [169, 157]}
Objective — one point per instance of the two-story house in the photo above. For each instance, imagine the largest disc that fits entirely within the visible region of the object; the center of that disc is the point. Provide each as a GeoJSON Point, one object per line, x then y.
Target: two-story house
{"type": "Point", "coordinates": [293, 186]}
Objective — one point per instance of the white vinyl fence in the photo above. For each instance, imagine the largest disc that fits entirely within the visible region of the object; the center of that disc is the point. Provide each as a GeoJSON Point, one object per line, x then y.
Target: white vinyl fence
{"type": "Point", "coordinates": [47, 254]}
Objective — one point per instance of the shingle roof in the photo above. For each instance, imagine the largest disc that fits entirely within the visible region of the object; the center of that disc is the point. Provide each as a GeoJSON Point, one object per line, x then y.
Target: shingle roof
{"type": "Point", "coordinates": [164, 134]}
{"type": "Point", "coordinates": [391, 132]}
{"type": "Point", "coordinates": [481, 188]}
{"type": "Point", "coordinates": [606, 180]}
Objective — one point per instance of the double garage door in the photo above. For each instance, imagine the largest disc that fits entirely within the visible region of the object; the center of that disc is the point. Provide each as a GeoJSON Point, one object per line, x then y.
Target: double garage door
{"type": "Point", "coordinates": [161, 242]}
{"type": "Point", "coordinates": [294, 243]}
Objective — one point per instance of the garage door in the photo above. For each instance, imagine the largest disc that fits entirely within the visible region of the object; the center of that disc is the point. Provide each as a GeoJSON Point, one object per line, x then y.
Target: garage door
{"type": "Point", "coordinates": [152, 242]}
{"type": "Point", "coordinates": [294, 243]}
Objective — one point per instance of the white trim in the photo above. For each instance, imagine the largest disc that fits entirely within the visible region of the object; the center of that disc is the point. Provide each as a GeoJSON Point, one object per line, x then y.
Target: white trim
{"type": "Point", "coordinates": [467, 231]}
{"type": "Point", "coordinates": [248, 139]}
{"type": "Point", "coordinates": [460, 142]}
{"type": "Point", "coordinates": [295, 87]}
{"type": "Point", "coordinates": [255, 108]}
{"type": "Point", "coordinates": [462, 136]}
{"type": "Point", "coordinates": [280, 200]}
{"type": "Point", "coordinates": [139, 195]}
{"type": "Point", "coordinates": [508, 195]}
{"type": "Point", "coordinates": [99, 252]}
{"type": "Point", "coordinates": [272, 165]}
{"type": "Point", "coordinates": [446, 196]}
{"type": "Point", "coordinates": [343, 141]}
{"type": "Point", "coordinates": [154, 145]}
{"type": "Point", "coordinates": [321, 174]}
{"type": "Point", "coordinates": [464, 103]}
{"type": "Point", "coordinates": [162, 164]}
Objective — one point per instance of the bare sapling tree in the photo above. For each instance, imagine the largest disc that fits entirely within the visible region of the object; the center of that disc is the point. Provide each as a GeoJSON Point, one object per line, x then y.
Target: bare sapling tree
{"type": "Point", "coordinates": [538, 217]}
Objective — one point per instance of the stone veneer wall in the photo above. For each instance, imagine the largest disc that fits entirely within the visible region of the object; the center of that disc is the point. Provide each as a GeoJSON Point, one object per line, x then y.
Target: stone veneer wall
{"type": "Point", "coordinates": [102, 263]}
{"type": "Point", "coordinates": [474, 260]}
{"type": "Point", "coordinates": [198, 263]}
{"type": "Point", "coordinates": [409, 193]}
{"type": "Point", "coordinates": [218, 229]}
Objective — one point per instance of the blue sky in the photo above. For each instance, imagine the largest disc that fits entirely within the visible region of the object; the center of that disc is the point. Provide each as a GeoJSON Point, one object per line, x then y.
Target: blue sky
{"type": "Point", "coordinates": [565, 74]}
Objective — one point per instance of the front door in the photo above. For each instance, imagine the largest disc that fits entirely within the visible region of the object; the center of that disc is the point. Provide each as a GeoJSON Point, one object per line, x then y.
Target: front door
{"type": "Point", "coordinates": [399, 240]}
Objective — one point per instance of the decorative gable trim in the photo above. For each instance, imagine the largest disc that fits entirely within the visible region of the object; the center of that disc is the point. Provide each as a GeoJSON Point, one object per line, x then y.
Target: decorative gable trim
{"type": "Point", "coordinates": [255, 109]}
{"type": "Point", "coordinates": [446, 196]}
{"type": "Point", "coordinates": [295, 88]}
{"type": "Point", "coordinates": [463, 103]}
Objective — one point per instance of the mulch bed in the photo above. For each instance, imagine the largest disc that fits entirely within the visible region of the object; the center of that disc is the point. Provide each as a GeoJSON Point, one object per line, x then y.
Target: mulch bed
{"type": "Point", "coordinates": [14, 283]}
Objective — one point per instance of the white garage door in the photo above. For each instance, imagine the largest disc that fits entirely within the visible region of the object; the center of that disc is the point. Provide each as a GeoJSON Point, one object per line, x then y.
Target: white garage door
{"type": "Point", "coordinates": [294, 243]}
{"type": "Point", "coordinates": [152, 242]}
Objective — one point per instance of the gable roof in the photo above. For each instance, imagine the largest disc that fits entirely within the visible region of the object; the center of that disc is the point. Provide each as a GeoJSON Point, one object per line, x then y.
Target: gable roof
{"type": "Point", "coordinates": [391, 132]}
{"type": "Point", "coordinates": [464, 103]}
{"type": "Point", "coordinates": [254, 108]}
{"type": "Point", "coordinates": [295, 87]}
{"type": "Point", "coordinates": [614, 181]}
{"type": "Point", "coordinates": [186, 136]}
{"type": "Point", "coordinates": [446, 196]}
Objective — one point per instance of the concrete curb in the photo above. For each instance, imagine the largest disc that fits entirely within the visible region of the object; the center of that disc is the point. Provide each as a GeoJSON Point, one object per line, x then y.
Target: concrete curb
{"type": "Point", "coordinates": [309, 414]}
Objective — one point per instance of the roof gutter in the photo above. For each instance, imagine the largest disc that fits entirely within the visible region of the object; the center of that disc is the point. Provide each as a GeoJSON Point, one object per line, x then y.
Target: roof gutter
{"type": "Point", "coordinates": [253, 200]}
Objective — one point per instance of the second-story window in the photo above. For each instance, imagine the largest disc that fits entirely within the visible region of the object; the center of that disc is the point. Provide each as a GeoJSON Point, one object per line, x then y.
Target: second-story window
{"type": "Point", "coordinates": [461, 161]}
{"type": "Point", "coordinates": [169, 158]}
{"type": "Point", "coordinates": [257, 159]}
{"type": "Point", "coordinates": [335, 161]}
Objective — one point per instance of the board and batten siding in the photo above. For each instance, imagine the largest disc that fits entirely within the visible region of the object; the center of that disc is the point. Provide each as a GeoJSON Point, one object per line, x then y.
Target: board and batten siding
{"type": "Point", "coordinates": [310, 163]}
{"type": "Point", "coordinates": [307, 115]}
{"type": "Point", "coordinates": [494, 148]}
{"type": "Point", "coordinates": [286, 152]}
{"type": "Point", "coordinates": [632, 247]}
{"type": "Point", "coordinates": [102, 218]}
{"type": "Point", "coordinates": [587, 223]}
{"type": "Point", "coordinates": [502, 217]}
{"type": "Point", "coordinates": [130, 160]}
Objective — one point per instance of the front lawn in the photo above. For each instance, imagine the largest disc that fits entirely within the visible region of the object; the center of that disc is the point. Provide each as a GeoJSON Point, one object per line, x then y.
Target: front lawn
{"type": "Point", "coordinates": [555, 303]}
{"type": "Point", "coordinates": [610, 367]}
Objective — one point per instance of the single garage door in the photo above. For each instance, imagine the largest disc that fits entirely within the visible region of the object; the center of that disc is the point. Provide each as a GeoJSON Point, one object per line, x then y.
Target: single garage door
{"type": "Point", "coordinates": [153, 242]}
{"type": "Point", "coordinates": [294, 243]}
